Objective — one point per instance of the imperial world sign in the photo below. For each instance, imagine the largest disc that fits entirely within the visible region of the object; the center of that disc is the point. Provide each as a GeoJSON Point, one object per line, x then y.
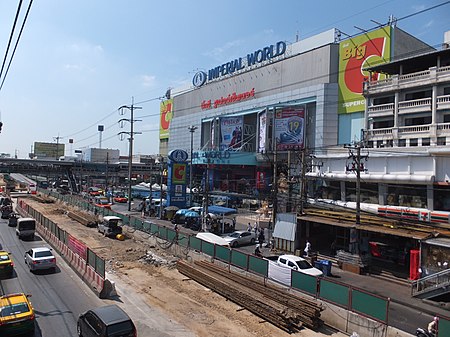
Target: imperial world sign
{"type": "Point", "coordinates": [258, 56]}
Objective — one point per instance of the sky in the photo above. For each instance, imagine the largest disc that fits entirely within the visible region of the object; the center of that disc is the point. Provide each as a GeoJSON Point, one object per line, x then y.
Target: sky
{"type": "Point", "coordinates": [77, 62]}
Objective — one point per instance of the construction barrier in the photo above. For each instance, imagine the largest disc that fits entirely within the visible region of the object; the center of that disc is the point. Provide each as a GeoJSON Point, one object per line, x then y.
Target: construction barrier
{"type": "Point", "coordinates": [94, 278]}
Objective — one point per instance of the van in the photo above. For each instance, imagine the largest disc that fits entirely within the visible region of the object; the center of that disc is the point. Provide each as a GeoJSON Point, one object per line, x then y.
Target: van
{"type": "Point", "coordinates": [106, 321]}
{"type": "Point", "coordinates": [26, 227]}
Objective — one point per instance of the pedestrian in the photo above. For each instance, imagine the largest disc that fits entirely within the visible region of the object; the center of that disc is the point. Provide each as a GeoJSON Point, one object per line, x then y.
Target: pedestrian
{"type": "Point", "coordinates": [333, 247]}
{"type": "Point", "coordinates": [307, 248]}
{"type": "Point", "coordinates": [432, 326]}
{"type": "Point", "coordinates": [261, 237]}
{"type": "Point", "coordinates": [255, 227]}
{"type": "Point", "coordinates": [249, 227]}
{"type": "Point", "coordinates": [257, 251]}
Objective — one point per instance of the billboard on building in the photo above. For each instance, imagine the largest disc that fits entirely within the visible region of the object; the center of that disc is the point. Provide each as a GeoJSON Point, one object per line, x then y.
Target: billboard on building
{"type": "Point", "coordinates": [289, 128]}
{"type": "Point", "coordinates": [355, 54]}
{"type": "Point", "coordinates": [262, 131]}
{"type": "Point", "coordinates": [48, 150]}
{"type": "Point", "coordinates": [231, 129]}
{"type": "Point", "coordinates": [166, 113]}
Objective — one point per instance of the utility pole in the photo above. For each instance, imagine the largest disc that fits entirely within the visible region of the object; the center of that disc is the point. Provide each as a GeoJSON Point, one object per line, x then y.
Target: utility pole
{"type": "Point", "coordinates": [191, 129]}
{"type": "Point", "coordinates": [205, 196]}
{"type": "Point", "coordinates": [357, 166]}
{"type": "Point", "coordinates": [303, 179]}
{"type": "Point", "coordinates": [275, 186]}
{"type": "Point", "coordinates": [131, 134]}
{"type": "Point", "coordinates": [57, 146]}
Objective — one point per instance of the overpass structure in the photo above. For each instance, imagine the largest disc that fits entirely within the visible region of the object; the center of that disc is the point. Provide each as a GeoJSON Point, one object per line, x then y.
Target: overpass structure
{"type": "Point", "coordinates": [77, 171]}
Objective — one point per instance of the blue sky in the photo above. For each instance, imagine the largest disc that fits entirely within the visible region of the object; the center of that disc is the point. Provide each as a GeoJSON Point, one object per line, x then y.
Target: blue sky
{"type": "Point", "coordinates": [78, 61]}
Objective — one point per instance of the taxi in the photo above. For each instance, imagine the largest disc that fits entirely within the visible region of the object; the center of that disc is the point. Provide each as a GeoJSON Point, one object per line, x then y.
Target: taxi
{"type": "Point", "coordinates": [102, 202]}
{"type": "Point", "coordinates": [120, 198]}
{"type": "Point", "coordinates": [16, 315]}
{"type": "Point", "coordinates": [6, 264]}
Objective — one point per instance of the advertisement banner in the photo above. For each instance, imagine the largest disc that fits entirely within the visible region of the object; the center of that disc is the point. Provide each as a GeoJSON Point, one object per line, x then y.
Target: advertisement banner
{"type": "Point", "coordinates": [231, 132]}
{"type": "Point", "coordinates": [355, 54]}
{"type": "Point", "coordinates": [77, 247]}
{"type": "Point", "coordinates": [51, 150]}
{"type": "Point", "coordinates": [262, 131]}
{"type": "Point", "coordinates": [166, 113]}
{"type": "Point", "coordinates": [289, 128]}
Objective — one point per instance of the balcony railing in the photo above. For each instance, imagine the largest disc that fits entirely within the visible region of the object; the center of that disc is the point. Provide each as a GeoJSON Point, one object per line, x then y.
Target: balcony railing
{"type": "Point", "coordinates": [417, 105]}
{"type": "Point", "coordinates": [433, 75]}
{"type": "Point", "coordinates": [411, 106]}
{"type": "Point", "coordinates": [414, 129]}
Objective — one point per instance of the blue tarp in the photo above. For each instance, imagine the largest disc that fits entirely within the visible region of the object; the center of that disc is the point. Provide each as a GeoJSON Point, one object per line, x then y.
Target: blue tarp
{"type": "Point", "coordinates": [220, 210]}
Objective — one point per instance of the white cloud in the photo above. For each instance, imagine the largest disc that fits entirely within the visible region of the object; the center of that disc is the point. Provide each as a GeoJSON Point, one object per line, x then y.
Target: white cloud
{"type": "Point", "coordinates": [148, 80]}
{"type": "Point", "coordinates": [429, 24]}
{"type": "Point", "coordinates": [219, 53]}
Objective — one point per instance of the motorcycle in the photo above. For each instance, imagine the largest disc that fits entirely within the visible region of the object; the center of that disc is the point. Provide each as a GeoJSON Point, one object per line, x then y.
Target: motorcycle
{"type": "Point", "coordinates": [424, 333]}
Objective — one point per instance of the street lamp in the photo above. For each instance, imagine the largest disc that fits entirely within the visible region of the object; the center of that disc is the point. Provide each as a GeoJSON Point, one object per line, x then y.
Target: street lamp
{"type": "Point", "coordinates": [191, 129]}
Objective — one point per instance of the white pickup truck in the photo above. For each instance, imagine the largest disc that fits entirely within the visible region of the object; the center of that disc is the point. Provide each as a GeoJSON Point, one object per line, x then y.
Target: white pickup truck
{"type": "Point", "coordinates": [297, 263]}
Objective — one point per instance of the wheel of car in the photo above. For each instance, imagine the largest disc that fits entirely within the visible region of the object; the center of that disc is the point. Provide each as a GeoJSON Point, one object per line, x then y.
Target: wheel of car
{"type": "Point", "coordinates": [79, 329]}
{"type": "Point", "coordinates": [235, 244]}
{"type": "Point", "coordinates": [252, 241]}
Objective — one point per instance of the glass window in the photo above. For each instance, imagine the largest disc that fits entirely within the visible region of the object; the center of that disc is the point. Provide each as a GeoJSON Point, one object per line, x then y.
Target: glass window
{"type": "Point", "coordinates": [14, 309]}
{"type": "Point", "coordinates": [425, 141]}
{"type": "Point", "coordinates": [121, 328]}
{"type": "Point", "coordinates": [43, 254]}
{"type": "Point", "coordinates": [402, 142]}
{"type": "Point", "coordinates": [413, 142]}
{"type": "Point", "coordinates": [441, 141]}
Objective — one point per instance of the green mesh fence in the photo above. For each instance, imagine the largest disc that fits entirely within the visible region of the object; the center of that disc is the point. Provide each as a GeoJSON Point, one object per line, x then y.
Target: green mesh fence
{"type": "Point", "coordinates": [239, 259]}
{"type": "Point", "coordinates": [223, 253]}
{"type": "Point", "coordinates": [334, 292]}
{"type": "Point", "coordinates": [208, 248]}
{"type": "Point", "coordinates": [258, 266]}
{"type": "Point", "coordinates": [370, 305]}
{"type": "Point", "coordinates": [304, 283]}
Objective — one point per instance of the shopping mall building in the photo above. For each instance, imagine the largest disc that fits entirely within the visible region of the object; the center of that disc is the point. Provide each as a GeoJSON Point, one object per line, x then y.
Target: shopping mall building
{"type": "Point", "coordinates": [321, 108]}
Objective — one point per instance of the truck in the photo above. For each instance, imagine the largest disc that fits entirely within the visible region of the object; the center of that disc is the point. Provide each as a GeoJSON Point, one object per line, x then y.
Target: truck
{"type": "Point", "coordinates": [295, 263]}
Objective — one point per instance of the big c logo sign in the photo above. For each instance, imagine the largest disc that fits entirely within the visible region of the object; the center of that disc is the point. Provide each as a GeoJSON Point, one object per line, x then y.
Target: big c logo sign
{"type": "Point", "coordinates": [179, 173]}
{"type": "Point", "coordinates": [356, 54]}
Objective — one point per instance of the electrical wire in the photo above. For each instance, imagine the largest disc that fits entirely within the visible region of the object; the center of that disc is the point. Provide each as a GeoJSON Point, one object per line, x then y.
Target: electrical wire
{"type": "Point", "coordinates": [17, 43]}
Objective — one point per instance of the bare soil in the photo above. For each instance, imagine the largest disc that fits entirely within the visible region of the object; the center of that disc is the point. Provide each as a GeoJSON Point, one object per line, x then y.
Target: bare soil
{"type": "Point", "coordinates": [152, 273]}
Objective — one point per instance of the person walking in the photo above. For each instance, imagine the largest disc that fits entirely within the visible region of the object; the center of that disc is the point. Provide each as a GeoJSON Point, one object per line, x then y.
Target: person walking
{"type": "Point", "coordinates": [307, 248]}
{"type": "Point", "coordinates": [249, 227]}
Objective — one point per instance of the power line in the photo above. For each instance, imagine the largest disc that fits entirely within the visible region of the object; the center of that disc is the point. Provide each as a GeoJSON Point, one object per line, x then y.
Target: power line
{"type": "Point", "coordinates": [17, 41]}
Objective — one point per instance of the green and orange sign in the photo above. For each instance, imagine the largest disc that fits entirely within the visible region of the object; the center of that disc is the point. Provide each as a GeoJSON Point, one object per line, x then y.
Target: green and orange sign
{"type": "Point", "coordinates": [355, 54]}
{"type": "Point", "coordinates": [166, 113]}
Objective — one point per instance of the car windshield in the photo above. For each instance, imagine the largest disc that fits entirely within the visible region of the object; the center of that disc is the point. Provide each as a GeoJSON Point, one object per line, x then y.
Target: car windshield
{"type": "Point", "coordinates": [14, 309]}
{"type": "Point", "coordinates": [4, 257]}
{"type": "Point", "coordinates": [103, 201]}
{"type": "Point", "coordinates": [235, 235]}
{"type": "Point", "coordinates": [304, 264]}
{"type": "Point", "coordinates": [43, 254]}
{"type": "Point", "coordinates": [24, 225]}
{"type": "Point", "coordinates": [120, 328]}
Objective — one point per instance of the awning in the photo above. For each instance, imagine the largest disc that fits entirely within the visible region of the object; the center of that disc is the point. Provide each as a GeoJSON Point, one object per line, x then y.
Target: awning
{"type": "Point", "coordinates": [368, 177]}
{"type": "Point", "coordinates": [285, 226]}
{"type": "Point", "coordinates": [388, 229]}
{"type": "Point", "coordinates": [220, 210]}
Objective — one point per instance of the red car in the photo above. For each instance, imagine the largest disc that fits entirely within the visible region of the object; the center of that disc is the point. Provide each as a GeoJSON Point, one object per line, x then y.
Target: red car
{"type": "Point", "coordinates": [120, 198]}
{"type": "Point", "coordinates": [102, 202]}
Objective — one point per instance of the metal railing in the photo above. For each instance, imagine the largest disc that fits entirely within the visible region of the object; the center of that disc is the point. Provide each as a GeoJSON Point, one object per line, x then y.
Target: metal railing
{"type": "Point", "coordinates": [431, 282]}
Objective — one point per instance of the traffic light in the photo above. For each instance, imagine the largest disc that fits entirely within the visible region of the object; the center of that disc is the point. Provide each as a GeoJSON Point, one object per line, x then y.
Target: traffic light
{"type": "Point", "coordinates": [1, 124]}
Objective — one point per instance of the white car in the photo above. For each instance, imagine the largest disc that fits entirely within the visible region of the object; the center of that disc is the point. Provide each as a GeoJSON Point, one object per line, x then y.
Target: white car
{"type": "Point", "coordinates": [299, 264]}
{"type": "Point", "coordinates": [239, 238]}
{"type": "Point", "coordinates": [40, 258]}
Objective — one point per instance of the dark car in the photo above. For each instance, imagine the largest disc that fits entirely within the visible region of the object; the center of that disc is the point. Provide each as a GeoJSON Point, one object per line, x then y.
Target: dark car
{"type": "Point", "coordinates": [109, 320]}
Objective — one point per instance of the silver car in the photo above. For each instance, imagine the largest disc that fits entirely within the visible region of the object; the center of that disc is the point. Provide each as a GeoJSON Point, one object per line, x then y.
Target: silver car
{"type": "Point", "coordinates": [40, 258]}
{"type": "Point", "coordinates": [239, 238]}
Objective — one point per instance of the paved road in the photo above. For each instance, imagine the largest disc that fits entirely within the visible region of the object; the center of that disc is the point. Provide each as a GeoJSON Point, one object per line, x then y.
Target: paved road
{"type": "Point", "coordinates": [58, 298]}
